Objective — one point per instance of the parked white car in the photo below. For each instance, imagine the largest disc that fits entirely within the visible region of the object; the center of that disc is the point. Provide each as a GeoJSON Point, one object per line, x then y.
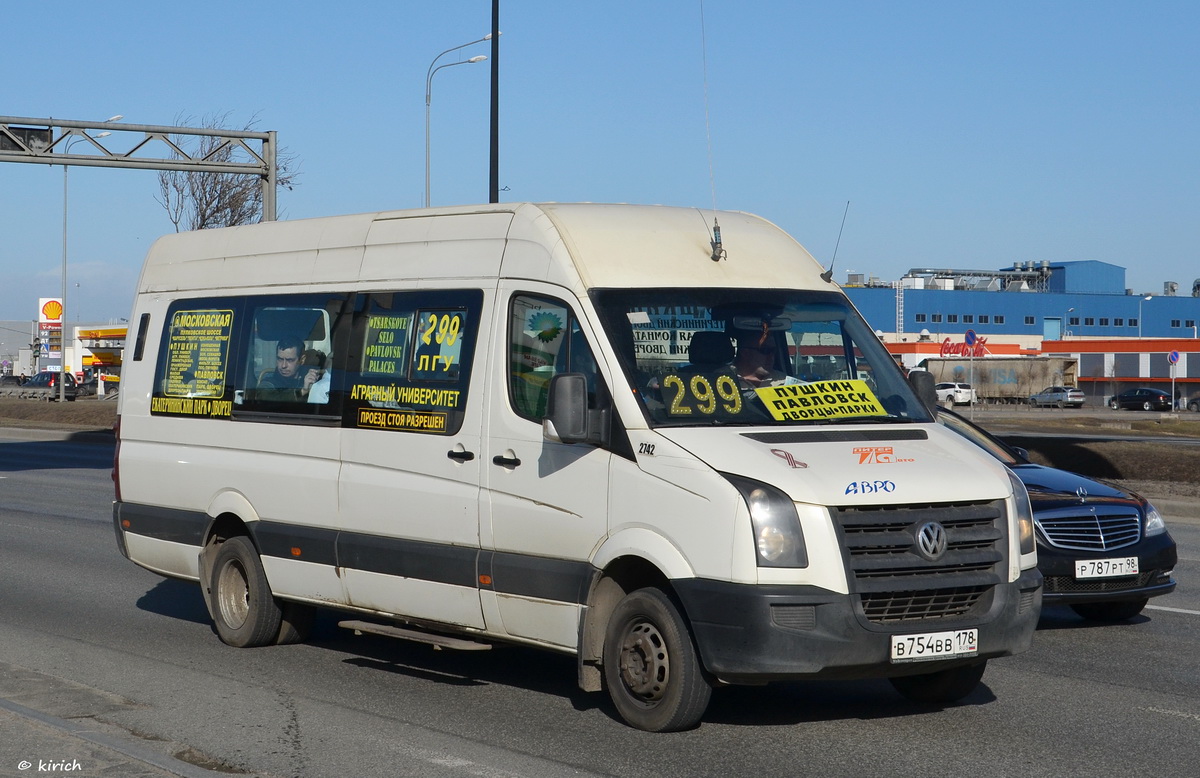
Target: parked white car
{"type": "Point", "coordinates": [958, 394]}
{"type": "Point", "coordinates": [1062, 396]}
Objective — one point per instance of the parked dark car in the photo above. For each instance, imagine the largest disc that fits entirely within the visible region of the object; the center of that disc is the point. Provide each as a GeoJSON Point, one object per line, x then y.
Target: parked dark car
{"type": "Point", "coordinates": [1141, 399]}
{"type": "Point", "coordinates": [46, 385]}
{"type": "Point", "coordinates": [87, 388]}
{"type": "Point", "coordinates": [1102, 550]}
{"type": "Point", "coordinates": [10, 380]}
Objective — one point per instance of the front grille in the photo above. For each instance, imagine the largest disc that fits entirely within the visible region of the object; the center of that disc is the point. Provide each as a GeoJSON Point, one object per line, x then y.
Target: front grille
{"type": "Point", "coordinates": [1064, 584]}
{"type": "Point", "coordinates": [906, 606]}
{"type": "Point", "coordinates": [896, 583]}
{"type": "Point", "coordinates": [1090, 527]}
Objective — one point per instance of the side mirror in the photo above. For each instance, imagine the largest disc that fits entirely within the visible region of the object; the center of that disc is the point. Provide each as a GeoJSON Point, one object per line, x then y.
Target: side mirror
{"type": "Point", "coordinates": [922, 383]}
{"type": "Point", "coordinates": [566, 418]}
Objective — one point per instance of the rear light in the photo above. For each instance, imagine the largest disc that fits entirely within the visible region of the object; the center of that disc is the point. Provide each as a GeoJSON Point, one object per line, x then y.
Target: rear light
{"type": "Point", "coordinates": [116, 470]}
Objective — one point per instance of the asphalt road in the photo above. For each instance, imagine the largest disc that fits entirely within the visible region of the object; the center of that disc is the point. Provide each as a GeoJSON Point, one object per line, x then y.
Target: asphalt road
{"type": "Point", "coordinates": [110, 667]}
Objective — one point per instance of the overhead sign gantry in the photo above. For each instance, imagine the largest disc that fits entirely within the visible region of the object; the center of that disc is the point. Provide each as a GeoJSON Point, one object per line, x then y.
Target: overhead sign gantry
{"type": "Point", "coordinates": [152, 147]}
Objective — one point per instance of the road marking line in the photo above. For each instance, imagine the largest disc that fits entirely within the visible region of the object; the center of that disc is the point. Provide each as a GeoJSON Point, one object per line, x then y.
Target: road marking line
{"type": "Point", "coordinates": [1172, 610]}
{"type": "Point", "coordinates": [1181, 714]}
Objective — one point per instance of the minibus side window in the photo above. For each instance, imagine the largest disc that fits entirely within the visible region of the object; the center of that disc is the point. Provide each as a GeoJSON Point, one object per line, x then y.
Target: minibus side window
{"type": "Point", "coordinates": [194, 375]}
{"type": "Point", "coordinates": [143, 329]}
{"type": "Point", "coordinates": [410, 360]}
{"type": "Point", "coordinates": [290, 347]}
{"type": "Point", "coordinates": [545, 340]}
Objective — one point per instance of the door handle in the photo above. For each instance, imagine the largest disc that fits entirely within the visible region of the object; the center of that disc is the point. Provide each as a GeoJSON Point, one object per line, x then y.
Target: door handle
{"type": "Point", "coordinates": [507, 459]}
{"type": "Point", "coordinates": [461, 456]}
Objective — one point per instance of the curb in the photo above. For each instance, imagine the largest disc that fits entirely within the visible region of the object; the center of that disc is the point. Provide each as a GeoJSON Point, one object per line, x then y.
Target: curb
{"type": "Point", "coordinates": [97, 437]}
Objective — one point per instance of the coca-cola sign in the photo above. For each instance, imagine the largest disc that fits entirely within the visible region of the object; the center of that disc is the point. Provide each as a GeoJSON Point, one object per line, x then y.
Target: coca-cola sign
{"type": "Point", "coordinates": [950, 349]}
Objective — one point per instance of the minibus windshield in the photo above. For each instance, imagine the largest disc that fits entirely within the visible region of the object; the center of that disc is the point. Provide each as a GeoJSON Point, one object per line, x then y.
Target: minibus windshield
{"type": "Point", "coordinates": [700, 357]}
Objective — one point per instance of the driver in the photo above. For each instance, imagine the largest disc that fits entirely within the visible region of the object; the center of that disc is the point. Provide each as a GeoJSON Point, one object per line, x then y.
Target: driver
{"type": "Point", "coordinates": [755, 360]}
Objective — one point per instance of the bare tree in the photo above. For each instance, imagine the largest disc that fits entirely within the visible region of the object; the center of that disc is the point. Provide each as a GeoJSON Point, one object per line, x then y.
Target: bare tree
{"type": "Point", "coordinates": [196, 200]}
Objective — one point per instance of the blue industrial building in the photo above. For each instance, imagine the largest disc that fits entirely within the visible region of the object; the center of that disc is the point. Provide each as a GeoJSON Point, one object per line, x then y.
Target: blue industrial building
{"type": "Point", "coordinates": [1027, 303]}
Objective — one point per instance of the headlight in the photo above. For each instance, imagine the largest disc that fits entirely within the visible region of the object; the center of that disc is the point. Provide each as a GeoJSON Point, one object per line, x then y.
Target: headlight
{"type": "Point", "coordinates": [1024, 514]}
{"type": "Point", "coordinates": [1154, 521]}
{"type": "Point", "coordinates": [778, 539]}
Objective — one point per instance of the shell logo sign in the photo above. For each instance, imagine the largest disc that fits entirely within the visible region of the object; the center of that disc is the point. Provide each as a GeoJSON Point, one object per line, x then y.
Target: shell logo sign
{"type": "Point", "coordinates": [51, 310]}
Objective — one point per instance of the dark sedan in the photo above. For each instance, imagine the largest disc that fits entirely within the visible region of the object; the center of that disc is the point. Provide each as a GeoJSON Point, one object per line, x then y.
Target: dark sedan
{"type": "Point", "coordinates": [1102, 550]}
{"type": "Point", "coordinates": [1141, 399]}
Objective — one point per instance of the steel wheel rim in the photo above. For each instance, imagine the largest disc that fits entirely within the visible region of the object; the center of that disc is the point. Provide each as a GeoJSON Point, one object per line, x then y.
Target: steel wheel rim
{"type": "Point", "coordinates": [645, 663]}
{"type": "Point", "coordinates": [233, 595]}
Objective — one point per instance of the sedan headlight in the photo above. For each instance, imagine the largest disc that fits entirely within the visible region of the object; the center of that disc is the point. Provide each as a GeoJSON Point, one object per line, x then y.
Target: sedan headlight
{"type": "Point", "coordinates": [1024, 514]}
{"type": "Point", "coordinates": [778, 539]}
{"type": "Point", "coordinates": [1154, 521]}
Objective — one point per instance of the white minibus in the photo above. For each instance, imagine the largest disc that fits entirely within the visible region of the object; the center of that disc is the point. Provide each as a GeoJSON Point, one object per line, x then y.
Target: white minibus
{"type": "Point", "coordinates": [658, 439]}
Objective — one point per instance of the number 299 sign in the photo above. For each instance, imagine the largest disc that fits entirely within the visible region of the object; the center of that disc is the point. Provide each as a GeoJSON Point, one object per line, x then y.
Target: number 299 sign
{"type": "Point", "coordinates": [702, 394]}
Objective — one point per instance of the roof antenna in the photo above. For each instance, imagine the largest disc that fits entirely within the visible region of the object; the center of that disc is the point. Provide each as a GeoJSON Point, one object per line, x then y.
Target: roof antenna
{"type": "Point", "coordinates": [718, 252]}
{"type": "Point", "coordinates": [827, 276]}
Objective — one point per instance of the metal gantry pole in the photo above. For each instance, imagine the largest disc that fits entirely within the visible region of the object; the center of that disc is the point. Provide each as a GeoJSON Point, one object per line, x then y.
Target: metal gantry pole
{"type": "Point", "coordinates": [494, 144]}
{"type": "Point", "coordinates": [62, 318]}
{"type": "Point", "coordinates": [271, 178]}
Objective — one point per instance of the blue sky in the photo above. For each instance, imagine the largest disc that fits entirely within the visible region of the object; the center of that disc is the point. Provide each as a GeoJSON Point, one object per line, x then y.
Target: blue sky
{"type": "Point", "coordinates": [963, 134]}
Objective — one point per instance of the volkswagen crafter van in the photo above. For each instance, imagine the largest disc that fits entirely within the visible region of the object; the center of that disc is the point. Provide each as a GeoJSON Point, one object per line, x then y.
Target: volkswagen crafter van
{"type": "Point", "coordinates": [657, 439]}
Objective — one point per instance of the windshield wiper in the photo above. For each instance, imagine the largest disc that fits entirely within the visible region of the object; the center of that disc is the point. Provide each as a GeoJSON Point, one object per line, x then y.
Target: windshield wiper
{"type": "Point", "coordinates": [868, 420]}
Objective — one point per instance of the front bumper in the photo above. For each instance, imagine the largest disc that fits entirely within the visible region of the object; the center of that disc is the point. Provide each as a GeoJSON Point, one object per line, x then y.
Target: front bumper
{"type": "Point", "coordinates": [1156, 555]}
{"type": "Point", "coordinates": [755, 634]}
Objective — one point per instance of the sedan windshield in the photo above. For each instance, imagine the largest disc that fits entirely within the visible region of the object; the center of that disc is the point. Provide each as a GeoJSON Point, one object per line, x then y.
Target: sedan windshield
{"type": "Point", "coordinates": [700, 357]}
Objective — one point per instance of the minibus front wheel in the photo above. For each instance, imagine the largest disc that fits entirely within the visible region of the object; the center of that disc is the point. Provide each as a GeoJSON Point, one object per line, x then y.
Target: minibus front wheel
{"type": "Point", "coordinates": [245, 612]}
{"type": "Point", "coordinates": [651, 667]}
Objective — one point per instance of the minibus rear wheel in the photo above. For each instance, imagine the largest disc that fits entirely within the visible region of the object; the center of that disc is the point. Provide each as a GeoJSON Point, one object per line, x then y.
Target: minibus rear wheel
{"type": "Point", "coordinates": [651, 668]}
{"type": "Point", "coordinates": [944, 686]}
{"type": "Point", "coordinates": [245, 612]}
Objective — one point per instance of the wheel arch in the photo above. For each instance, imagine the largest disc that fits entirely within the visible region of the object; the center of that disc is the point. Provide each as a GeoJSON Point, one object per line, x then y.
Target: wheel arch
{"type": "Point", "coordinates": [616, 579]}
{"type": "Point", "coordinates": [231, 514]}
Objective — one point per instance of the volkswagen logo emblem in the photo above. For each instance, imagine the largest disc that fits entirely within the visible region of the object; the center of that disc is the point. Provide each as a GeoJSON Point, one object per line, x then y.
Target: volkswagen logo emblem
{"type": "Point", "coordinates": [931, 540]}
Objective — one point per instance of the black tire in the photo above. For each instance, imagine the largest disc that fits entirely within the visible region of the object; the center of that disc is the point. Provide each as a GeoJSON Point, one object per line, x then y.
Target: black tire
{"type": "Point", "coordinates": [942, 687]}
{"type": "Point", "coordinates": [245, 612]}
{"type": "Point", "coordinates": [295, 623]}
{"type": "Point", "coordinates": [1110, 611]}
{"type": "Point", "coordinates": [651, 668]}
{"type": "Point", "coordinates": [1193, 406]}
{"type": "Point", "coordinates": [1113, 404]}
{"type": "Point", "coordinates": [1147, 406]}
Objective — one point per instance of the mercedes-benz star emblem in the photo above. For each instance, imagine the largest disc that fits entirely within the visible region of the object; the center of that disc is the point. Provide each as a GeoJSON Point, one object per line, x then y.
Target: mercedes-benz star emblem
{"type": "Point", "coordinates": [931, 540]}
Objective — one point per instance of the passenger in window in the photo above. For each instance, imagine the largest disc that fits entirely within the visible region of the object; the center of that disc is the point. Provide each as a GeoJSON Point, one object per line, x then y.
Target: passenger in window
{"type": "Point", "coordinates": [286, 381]}
{"type": "Point", "coordinates": [314, 377]}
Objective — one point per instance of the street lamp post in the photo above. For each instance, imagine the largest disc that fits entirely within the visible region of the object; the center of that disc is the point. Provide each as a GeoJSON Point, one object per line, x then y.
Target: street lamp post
{"type": "Point", "coordinates": [429, 92]}
{"type": "Point", "coordinates": [62, 318]}
{"type": "Point", "coordinates": [1144, 299]}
